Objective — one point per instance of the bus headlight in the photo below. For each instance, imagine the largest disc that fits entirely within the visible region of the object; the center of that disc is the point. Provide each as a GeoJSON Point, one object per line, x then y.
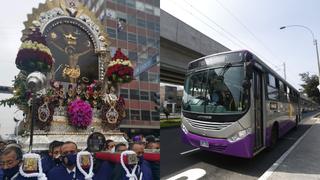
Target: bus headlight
{"type": "Point", "coordinates": [184, 129]}
{"type": "Point", "coordinates": [239, 135]}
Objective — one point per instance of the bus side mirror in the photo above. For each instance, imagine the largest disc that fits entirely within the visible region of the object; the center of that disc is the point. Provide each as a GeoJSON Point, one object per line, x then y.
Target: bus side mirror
{"type": "Point", "coordinates": [248, 56]}
{"type": "Point", "coordinates": [246, 84]}
{"type": "Point", "coordinates": [249, 69]}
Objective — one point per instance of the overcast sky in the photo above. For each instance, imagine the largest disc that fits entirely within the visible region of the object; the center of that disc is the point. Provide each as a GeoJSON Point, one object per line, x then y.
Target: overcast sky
{"type": "Point", "coordinates": [254, 25]}
{"type": "Point", "coordinates": [13, 13]}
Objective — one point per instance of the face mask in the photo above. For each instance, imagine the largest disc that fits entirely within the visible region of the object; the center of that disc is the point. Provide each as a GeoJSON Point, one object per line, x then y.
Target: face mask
{"type": "Point", "coordinates": [70, 159]}
{"type": "Point", "coordinates": [11, 171]}
{"type": "Point", "coordinates": [57, 160]}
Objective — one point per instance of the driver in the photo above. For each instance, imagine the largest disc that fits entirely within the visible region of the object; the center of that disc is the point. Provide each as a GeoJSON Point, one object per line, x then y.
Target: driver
{"type": "Point", "coordinates": [216, 91]}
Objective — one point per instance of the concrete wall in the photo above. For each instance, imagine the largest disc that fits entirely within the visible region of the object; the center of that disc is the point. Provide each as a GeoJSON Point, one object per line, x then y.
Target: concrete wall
{"type": "Point", "coordinates": [180, 44]}
{"type": "Point", "coordinates": [179, 32]}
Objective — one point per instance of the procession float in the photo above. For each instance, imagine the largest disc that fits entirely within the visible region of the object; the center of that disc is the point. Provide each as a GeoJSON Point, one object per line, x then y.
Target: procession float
{"type": "Point", "coordinates": [68, 84]}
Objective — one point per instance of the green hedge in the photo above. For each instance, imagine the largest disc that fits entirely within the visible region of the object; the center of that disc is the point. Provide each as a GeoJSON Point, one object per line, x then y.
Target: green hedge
{"type": "Point", "coordinates": [170, 123]}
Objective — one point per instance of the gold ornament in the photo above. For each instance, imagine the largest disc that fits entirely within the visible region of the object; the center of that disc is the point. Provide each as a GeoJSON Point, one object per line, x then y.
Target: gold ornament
{"type": "Point", "coordinates": [30, 164]}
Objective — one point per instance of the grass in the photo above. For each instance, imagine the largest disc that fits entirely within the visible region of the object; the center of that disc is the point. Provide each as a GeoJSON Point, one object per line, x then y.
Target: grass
{"type": "Point", "coordinates": [170, 123]}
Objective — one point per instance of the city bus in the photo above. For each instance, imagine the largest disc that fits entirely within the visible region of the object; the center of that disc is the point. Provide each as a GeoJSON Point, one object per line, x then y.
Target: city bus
{"type": "Point", "coordinates": [235, 104]}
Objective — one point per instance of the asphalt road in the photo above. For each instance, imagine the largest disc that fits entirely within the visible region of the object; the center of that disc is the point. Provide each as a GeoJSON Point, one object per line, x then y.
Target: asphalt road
{"type": "Point", "coordinates": [219, 166]}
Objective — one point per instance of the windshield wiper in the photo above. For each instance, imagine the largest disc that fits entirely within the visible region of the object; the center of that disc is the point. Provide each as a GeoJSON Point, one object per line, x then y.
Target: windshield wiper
{"type": "Point", "coordinates": [224, 70]}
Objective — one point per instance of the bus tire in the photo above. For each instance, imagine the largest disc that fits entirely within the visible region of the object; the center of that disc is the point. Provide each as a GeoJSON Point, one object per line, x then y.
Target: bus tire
{"type": "Point", "coordinates": [274, 136]}
{"type": "Point", "coordinates": [296, 123]}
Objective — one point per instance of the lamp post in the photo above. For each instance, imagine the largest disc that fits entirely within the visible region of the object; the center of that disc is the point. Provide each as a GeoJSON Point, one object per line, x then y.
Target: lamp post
{"type": "Point", "coordinates": [35, 82]}
{"type": "Point", "coordinates": [314, 43]}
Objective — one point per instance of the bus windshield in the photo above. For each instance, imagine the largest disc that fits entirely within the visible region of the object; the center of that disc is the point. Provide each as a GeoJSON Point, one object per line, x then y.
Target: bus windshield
{"type": "Point", "coordinates": [215, 90]}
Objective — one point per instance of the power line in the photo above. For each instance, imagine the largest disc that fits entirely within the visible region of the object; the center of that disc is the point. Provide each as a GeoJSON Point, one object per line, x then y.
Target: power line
{"type": "Point", "coordinates": [253, 35]}
{"type": "Point", "coordinates": [224, 30]}
{"type": "Point", "coordinates": [211, 27]}
{"type": "Point", "coordinates": [248, 30]}
{"type": "Point", "coordinates": [230, 34]}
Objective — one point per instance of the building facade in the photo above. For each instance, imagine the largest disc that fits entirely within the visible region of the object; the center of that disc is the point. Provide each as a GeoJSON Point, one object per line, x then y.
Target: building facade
{"type": "Point", "coordinates": [134, 26]}
{"type": "Point", "coordinates": [171, 98]}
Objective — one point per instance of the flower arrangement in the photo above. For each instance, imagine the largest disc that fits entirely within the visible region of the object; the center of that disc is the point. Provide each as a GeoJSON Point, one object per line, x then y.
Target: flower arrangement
{"type": "Point", "coordinates": [120, 68]}
{"type": "Point", "coordinates": [34, 55]}
{"type": "Point", "coordinates": [80, 113]}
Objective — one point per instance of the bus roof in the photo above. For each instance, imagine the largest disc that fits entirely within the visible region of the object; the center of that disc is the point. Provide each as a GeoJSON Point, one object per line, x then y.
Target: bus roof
{"type": "Point", "coordinates": [256, 58]}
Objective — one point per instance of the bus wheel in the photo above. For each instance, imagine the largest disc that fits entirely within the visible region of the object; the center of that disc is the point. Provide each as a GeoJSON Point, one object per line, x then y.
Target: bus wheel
{"type": "Point", "coordinates": [274, 136]}
{"type": "Point", "coordinates": [296, 123]}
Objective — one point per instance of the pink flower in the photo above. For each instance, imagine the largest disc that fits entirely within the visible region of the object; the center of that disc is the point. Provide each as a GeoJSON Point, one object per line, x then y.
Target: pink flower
{"type": "Point", "coordinates": [80, 113]}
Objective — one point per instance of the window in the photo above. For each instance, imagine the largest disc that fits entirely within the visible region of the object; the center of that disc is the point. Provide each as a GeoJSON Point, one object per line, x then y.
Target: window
{"type": "Point", "coordinates": [131, 3]}
{"type": "Point", "coordinates": [153, 77]}
{"type": "Point", "coordinates": [153, 96]}
{"type": "Point", "coordinates": [142, 40]}
{"type": "Point", "coordinates": [150, 25]}
{"type": "Point", "coordinates": [155, 116]}
{"type": "Point", "coordinates": [157, 27]}
{"type": "Point", "coordinates": [151, 42]}
{"type": "Point", "coordinates": [122, 35]}
{"type": "Point", "coordinates": [144, 76]}
{"type": "Point", "coordinates": [123, 2]}
{"type": "Point", "coordinates": [271, 80]}
{"type": "Point", "coordinates": [133, 56]}
{"type": "Point", "coordinates": [148, 9]}
{"type": "Point", "coordinates": [144, 95]}
{"type": "Point", "coordinates": [124, 93]}
{"type": "Point", "coordinates": [141, 23]}
{"type": "Point", "coordinates": [139, 6]}
{"type": "Point", "coordinates": [156, 3]}
{"type": "Point", "coordinates": [135, 114]}
{"type": "Point", "coordinates": [293, 96]}
{"type": "Point", "coordinates": [282, 92]}
{"type": "Point", "coordinates": [132, 38]}
{"type": "Point", "coordinates": [111, 32]}
{"type": "Point", "coordinates": [134, 94]}
{"type": "Point", "coordinates": [132, 20]}
{"type": "Point", "coordinates": [156, 11]}
{"type": "Point", "coordinates": [127, 117]}
{"type": "Point", "coordinates": [145, 115]}
{"type": "Point", "coordinates": [272, 88]}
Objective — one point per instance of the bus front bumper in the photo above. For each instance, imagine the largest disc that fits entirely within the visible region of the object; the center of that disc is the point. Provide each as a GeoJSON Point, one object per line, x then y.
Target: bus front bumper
{"type": "Point", "coordinates": [241, 148]}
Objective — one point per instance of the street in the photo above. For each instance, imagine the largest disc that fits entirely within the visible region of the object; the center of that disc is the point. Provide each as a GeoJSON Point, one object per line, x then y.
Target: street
{"type": "Point", "coordinates": [219, 166]}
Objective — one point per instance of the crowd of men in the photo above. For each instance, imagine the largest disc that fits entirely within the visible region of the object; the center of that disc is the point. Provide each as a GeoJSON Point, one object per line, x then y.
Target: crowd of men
{"type": "Point", "coordinates": [60, 162]}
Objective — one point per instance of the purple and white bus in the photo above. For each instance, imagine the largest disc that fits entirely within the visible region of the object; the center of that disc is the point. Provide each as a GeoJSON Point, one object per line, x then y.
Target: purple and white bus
{"type": "Point", "coordinates": [235, 104]}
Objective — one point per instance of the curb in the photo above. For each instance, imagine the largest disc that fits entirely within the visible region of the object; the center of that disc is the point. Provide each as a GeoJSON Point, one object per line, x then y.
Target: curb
{"type": "Point", "coordinates": [275, 165]}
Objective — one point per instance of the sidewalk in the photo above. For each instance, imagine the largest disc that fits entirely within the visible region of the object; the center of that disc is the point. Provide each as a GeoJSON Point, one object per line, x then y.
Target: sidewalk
{"type": "Point", "coordinates": [303, 162]}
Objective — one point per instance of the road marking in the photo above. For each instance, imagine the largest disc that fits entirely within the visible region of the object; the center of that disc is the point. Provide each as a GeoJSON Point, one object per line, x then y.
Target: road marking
{"type": "Point", "coordinates": [191, 174]}
{"type": "Point", "coordinates": [275, 165]}
{"type": "Point", "coordinates": [192, 150]}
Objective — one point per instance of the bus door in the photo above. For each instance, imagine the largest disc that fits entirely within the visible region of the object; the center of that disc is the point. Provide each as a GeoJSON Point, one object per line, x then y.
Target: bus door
{"type": "Point", "coordinates": [258, 109]}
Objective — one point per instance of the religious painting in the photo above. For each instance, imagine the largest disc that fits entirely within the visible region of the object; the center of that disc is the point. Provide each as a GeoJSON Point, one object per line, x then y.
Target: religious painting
{"type": "Point", "coordinates": [73, 52]}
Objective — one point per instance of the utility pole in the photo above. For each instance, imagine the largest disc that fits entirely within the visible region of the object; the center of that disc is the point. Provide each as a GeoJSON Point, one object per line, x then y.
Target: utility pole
{"type": "Point", "coordinates": [284, 71]}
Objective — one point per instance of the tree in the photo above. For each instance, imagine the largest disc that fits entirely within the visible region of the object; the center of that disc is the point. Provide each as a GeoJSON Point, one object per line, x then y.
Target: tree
{"type": "Point", "coordinates": [310, 86]}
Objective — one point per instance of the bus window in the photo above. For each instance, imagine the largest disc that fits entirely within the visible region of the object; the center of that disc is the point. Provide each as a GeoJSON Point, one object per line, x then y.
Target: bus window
{"type": "Point", "coordinates": [272, 89]}
{"type": "Point", "coordinates": [218, 90]}
{"type": "Point", "coordinates": [282, 92]}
